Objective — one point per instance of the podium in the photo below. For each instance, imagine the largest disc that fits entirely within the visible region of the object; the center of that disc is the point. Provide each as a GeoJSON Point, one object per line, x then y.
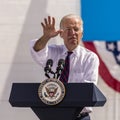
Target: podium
{"type": "Point", "coordinates": [78, 96]}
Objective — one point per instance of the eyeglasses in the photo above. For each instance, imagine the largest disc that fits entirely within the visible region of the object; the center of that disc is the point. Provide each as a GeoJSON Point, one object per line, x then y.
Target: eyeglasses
{"type": "Point", "coordinates": [75, 29]}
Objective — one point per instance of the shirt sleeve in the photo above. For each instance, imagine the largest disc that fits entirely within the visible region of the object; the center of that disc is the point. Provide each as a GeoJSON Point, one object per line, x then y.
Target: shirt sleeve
{"type": "Point", "coordinates": [91, 68]}
{"type": "Point", "coordinates": [91, 74]}
{"type": "Point", "coordinates": [41, 56]}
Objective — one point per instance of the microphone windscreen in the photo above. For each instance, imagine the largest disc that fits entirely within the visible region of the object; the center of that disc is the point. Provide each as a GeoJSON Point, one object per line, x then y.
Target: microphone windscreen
{"type": "Point", "coordinates": [49, 62]}
{"type": "Point", "coordinates": [61, 62]}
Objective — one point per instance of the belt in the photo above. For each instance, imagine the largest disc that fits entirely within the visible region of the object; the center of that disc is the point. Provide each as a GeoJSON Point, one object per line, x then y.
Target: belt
{"type": "Point", "coordinates": [82, 115]}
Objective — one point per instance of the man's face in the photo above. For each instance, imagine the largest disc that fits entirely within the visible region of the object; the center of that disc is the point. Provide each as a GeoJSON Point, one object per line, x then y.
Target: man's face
{"type": "Point", "coordinates": [72, 32]}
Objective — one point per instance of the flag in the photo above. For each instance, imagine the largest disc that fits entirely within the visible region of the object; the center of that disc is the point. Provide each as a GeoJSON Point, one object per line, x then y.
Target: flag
{"type": "Point", "coordinates": [101, 35]}
{"type": "Point", "coordinates": [109, 56]}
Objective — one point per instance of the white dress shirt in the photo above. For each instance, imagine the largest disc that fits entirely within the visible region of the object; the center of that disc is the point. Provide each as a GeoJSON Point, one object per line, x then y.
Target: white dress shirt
{"type": "Point", "coordinates": [83, 62]}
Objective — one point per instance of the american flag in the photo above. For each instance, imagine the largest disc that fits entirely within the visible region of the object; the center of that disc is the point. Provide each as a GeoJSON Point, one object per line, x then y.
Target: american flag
{"type": "Point", "coordinates": [101, 34]}
{"type": "Point", "coordinates": [109, 55]}
{"type": "Point", "coordinates": [114, 48]}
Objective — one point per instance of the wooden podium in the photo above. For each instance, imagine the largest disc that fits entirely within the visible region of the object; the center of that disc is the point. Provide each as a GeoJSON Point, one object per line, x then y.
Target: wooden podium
{"type": "Point", "coordinates": [78, 96]}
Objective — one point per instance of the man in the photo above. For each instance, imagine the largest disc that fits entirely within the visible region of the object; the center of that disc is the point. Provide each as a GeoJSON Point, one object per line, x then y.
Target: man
{"type": "Point", "coordinates": [83, 63]}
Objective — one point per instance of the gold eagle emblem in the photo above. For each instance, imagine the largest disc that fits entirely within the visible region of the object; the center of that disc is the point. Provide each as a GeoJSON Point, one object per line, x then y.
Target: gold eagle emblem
{"type": "Point", "coordinates": [51, 91]}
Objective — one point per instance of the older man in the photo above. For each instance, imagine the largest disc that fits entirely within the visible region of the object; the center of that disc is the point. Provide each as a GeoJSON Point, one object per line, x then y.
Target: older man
{"type": "Point", "coordinates": [83, 66]}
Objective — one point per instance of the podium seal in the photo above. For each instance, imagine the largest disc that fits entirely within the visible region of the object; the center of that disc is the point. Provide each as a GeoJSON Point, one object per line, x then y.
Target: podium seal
{"type": "Point", "coordinates": [51, 91]}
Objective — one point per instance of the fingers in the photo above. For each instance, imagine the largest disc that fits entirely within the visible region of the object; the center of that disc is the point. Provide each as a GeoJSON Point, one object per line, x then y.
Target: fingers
{"type": "Point", "coordinates": [53, 21]}
{"type": "Point", "coordinates": [43, 25]}
{"type": "Point", "coordinates": [45, 20]}
{"type": "Point", "coordinates": [50, 21]}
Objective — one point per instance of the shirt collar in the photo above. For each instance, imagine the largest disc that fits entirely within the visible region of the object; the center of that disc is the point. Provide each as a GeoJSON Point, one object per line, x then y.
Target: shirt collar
{"type": "Point", "coordinates": [76, 51]}
{"type": "Point", "coordinates": [64, 50]}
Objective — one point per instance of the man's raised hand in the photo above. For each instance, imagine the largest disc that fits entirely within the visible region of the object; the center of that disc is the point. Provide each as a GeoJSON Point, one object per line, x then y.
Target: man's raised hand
{"type": "Point", "coordinates": [49, 27]}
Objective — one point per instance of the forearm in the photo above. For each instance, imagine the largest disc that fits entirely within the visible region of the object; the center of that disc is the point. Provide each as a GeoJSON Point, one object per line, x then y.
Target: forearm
{"type": "Point", "coordinates": [41, 43]}
{"type": "Point", "coordinates": [49, 31]}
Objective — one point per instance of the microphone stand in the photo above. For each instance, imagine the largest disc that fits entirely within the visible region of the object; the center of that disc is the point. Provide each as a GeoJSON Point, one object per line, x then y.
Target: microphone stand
{"type": "Point", "coordinates": [59, 69]}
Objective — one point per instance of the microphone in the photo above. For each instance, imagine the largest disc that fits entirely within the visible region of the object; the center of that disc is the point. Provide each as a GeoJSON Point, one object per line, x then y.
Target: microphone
{"type": "Point", "coordinates": [47, 69]}
{"type": "Point", "coordinates": [61, 64]}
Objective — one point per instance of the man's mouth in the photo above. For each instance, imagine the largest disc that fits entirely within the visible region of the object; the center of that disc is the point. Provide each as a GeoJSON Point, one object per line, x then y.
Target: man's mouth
{"type": "Point", "coordinates": [72, 38]}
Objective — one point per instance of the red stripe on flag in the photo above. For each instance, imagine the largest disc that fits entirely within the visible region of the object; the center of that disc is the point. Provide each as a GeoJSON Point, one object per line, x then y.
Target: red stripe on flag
{"type": "Point", "coordinates": [103, 70]}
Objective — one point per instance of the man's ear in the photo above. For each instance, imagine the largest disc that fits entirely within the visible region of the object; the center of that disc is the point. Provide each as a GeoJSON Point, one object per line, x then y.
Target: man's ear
{"type": "Point", "coordinates": [61, 33]}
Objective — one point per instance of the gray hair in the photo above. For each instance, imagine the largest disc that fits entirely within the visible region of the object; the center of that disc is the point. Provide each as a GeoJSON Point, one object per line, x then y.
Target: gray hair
{"type": "Point", "coordinates": [71, 16]}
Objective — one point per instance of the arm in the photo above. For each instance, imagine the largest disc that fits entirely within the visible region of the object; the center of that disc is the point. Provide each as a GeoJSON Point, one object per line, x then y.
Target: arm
{"type": "Point", "coordinates": [49, 31]}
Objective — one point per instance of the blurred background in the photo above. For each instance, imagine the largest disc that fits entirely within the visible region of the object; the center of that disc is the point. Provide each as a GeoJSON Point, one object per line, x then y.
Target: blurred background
{"type": "Point", "coordinates": [20, 22]}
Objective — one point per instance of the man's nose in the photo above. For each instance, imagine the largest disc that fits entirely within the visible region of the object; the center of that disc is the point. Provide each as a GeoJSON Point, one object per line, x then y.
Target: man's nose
{"type": "Point", "coordinates": [72, 31]}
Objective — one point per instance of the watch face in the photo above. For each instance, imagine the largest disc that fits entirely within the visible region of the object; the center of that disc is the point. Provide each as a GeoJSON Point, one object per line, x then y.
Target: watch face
{"type": "Point", "coordinates": [51, 91]}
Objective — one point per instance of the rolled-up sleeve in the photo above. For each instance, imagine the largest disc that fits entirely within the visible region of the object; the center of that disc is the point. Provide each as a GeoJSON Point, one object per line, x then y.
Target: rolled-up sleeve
{"type": "Point", "coordinates": [41, 56]}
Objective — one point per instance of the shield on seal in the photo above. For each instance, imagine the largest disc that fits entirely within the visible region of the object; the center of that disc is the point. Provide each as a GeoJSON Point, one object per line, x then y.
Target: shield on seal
{"type": "Point", "coordinates": [109, 56]}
